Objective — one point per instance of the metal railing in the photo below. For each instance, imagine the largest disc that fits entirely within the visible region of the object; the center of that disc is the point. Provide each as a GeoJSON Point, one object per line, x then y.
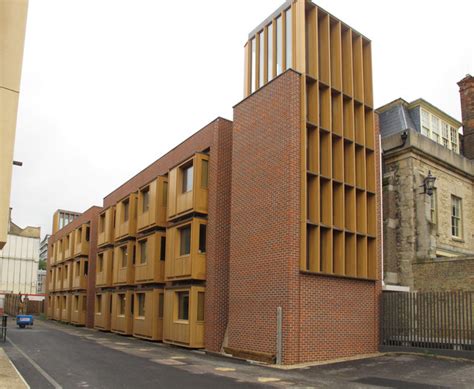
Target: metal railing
{"type": "Point", "coordinates": [428, 320]}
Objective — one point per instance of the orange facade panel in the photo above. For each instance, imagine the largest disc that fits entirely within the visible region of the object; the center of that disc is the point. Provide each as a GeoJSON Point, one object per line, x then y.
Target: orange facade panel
{"type": "Point", "coordinates": [103, 311]}
{"type": "Point", "coordinates": [150, 258]}
{"type": "Point", "coordinates": [122, 312]}
{"type": "Point", "coordinates": [79, 308]}
{"type": "Point", "coordinates": [104, 268]}
{"type": "Point", "coordinates": [183, 322]}
{"type": "Point", "coordinates": [81, 240]}
{"type": "Point", "coordinates": [80, 272]}
{"type": "Point", "coordinates": [124, 264]}
{"type": "Point", "coordinates": [57, 307]}
{"type": "Point", "coordinates": [188, 187]}
{"type": "Point", "coordinates": [67, 273]}
{"type": "Point", "coordinates": [106, 228]}
{"type": "Point", "coordinates": [126, 217]}
{"type": "Point", "coordinates": [186, 251]}
{"type": "Point", "coordinates": [151, 204]}
{"type": "Point", "coordinates": [66, 308]}
{"type": "Point", "coordinates": [68, 243]}
{"type": "Point", "coordinates": [148, 314]}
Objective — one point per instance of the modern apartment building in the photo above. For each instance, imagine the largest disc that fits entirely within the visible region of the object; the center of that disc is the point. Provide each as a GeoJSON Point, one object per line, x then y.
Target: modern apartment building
{"type": "Point", "coordinates": [428, 235]}
{"type": "Point", "coordinates": [257, 237]}
{"type": "Point", "coordinates": [12, 39]}
{"type": "Point", "coordinates": [19, 260]}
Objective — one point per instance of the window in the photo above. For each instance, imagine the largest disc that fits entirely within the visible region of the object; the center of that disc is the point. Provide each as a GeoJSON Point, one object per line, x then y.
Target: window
{"type": "Point", "coordinates": [100, 262]}
{"type": "Point", "coordinates": [279, 46]}
{"type": "Point", "coordinates": [183, 305]}
{"type": "Point", "coordinates": [165, 194]}
{"type": "Point", "coordinates": [454, 140]}
{"type": "Point", "coordinates": [445, 134]}
{"type": "Point", "coordinates": [200, 307]}
{"type": "Point", "coordinates": [84, 303]}
{"type": "Point", "coordinates": [435, 128]}
{"type": "Point", "coordinates": [163, 248]}
{"type": "Point", "coordinates": [98, 303]}
{"type": "Point", "coordinates": [202, 238]}
{"type": "Point", "coordinates": [425, 123]}
{"type": "Point", "coordinates": [270, 51]}
{"type": "Point", "coordinates": [456, 217]}
{"type": "Point", "coordinates": [187, 179]}
{"type": "Point", "coordinates": [433, 207]}
{"type": "Point", "coordinates": [143, 251]}
{"type": "Point", "coordinates": [185, 240]}
{"type": "Point", "coordinates": [160, 305]}
{"type": "Point", "coordinates": [88, 234]}
{"type": "Point", "coordinates": [126, 210]}
{"type": "Point", "coordinates": [141, 304]}
{"type": "Point", "coordinates": [121, 298]}
{"type": "Point", "coordinates": [102, 222]}
{"type": "Point", "coordinates": [289, 43]}
{"type": "Point", "coordinates": [76, 303]}
{"type": "Point", "coordinates": [261, 66]}
{"type": "Point", "coordinates": [79, 235]}
{"type": "Point", "coordinates": [146, 199]}
{"type": "Point", "coordinates": [86, 267]}
{"type": "Point", "coordinates": [253, 64]}
{"type": "Point", "coordinates": [124, 256]}
{"type": "Point", "coordinates": [78, 268]}
{"type": "Point", "coordinates": [204, 174]}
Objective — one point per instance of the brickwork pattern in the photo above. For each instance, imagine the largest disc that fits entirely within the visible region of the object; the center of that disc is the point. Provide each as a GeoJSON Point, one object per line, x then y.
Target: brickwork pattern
{"type": "Point", "coordinates": [218, 236]}
{"type": "Point", "coordinates": [323, 317]}
{"type": "Point", "coordinates": [445, 275]}
{"type": "Point", "coordinates": [466, 91]}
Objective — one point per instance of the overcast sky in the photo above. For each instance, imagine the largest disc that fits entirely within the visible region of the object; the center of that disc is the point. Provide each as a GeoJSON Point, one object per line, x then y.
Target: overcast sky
{"type": "Point", "coordinates": [109, 86]}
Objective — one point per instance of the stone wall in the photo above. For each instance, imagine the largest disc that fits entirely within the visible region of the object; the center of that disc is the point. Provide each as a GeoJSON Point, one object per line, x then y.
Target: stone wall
{"type": "Point", "coordinates": [409, 233]}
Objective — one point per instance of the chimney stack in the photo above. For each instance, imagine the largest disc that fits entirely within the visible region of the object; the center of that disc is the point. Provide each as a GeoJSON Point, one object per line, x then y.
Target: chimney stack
{"type": "Point", "coordinates": [466, 90]}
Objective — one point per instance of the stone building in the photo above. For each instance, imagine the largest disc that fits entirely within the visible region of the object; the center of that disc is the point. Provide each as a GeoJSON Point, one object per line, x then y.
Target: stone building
{"type": "Point", "coordinates": [428, 239]}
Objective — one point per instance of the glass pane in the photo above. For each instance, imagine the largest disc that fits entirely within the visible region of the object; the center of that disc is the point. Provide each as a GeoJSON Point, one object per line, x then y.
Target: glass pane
{"type": "Point", "coordinates": [253, 64]}
{"type": "Point", "coordinates": [124, 253]}
{"type": "Point", "coordinates": [270, 51]}
{"type": "Point", "coordinates": [204, 174]}
{"type": "Point", "coordinates": [202, 238]}
{"type": "Point", "coordinates": [141, 304]}
{"type": "Point", "coordinates": [289, 43]}
{"type": "Point", "coordinates": [143, 252]}
{"type": "Point", "coordinates": [183, 305]}
{"type": "Point", "coordinates": [125, 210]}
{"type": "Point", "coordinates": [187, 179]}
{"type": "Point", "coordinates": [163, 248]}
{"type": "Point", "coordinates": [279, 46]}
{"type": "Point", "coordinates": [262, 59]}
{"type": "Point", "coordinates": [185, 240]}
{"type": "Point", "coordinates": [145, 199]}
{"type": "Point", "coordinates": [200, 306]}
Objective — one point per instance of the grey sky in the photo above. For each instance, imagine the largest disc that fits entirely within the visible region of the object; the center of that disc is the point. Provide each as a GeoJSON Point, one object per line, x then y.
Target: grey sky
{"type": "Point", "coordinates": [108, 86]}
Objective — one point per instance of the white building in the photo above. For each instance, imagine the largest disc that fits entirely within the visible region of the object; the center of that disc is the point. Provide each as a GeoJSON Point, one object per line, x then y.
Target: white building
{"type": "Point", "coordinates": [19, 260]}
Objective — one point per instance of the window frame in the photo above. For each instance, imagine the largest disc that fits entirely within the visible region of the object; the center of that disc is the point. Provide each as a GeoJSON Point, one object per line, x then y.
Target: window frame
{"type": "Point", "coordinates": [459, 218]}
{"type": "Point", "coordinates": [180, 239]}
{"type": "Point", "coordinates": [181, 314]}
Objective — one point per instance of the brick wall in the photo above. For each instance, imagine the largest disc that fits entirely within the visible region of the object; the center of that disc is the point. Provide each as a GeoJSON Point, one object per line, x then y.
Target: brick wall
{"type": "Point", "coordinates": [466, 91]}
{"type": "Point", "coordinates": [265, 214]}
{"type": "Point", "coordinates": [218, 236]}
{"type": "Point", "coordinates": [445, 275]}
{"type": "Point", "coordinates": [323, 317]}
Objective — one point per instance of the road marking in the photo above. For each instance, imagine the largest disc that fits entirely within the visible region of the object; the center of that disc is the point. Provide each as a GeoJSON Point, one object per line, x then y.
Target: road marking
{"type": "Point", "coordinates": [268, 379]}
{"type": "Point", "coordinates": [170, 362]}
{"type": "Point", "coordinates": [50, 379]}
{"type": "Point", "coordinates": [178, 357]}
{"type": "Point", "coordinates": [224, 369]}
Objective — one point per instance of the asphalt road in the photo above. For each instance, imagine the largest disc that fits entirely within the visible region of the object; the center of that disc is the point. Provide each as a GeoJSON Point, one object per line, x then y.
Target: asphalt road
{"type": "Point", "coordinates": [55, 355]}
{"type": "Point", "coordinates": [72, 361]}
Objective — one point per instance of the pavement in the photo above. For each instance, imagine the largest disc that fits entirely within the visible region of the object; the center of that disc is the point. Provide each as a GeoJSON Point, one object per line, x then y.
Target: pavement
{"type": "Point", "coordinates": [55, 355]}
{"type": "Point", "coordinates": [9, 376]}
